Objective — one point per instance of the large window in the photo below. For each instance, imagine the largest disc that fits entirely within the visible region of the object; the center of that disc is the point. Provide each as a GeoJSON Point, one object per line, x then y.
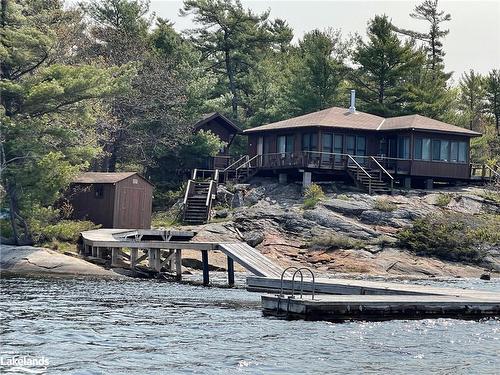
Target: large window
{"type": "Point", "coordinates": [453, 152]}
{"type": "Point", "coordinates": [310, 142]}
{"type": "Point", "coordinates": [285, 143]}
{"type": "Point", "coordinates": [444, 154]}
{"type": "Point", "coordinates": [333, 143]}
{"type": "Point", "coordinates": [404, 147]}
{"type": "Point", "coordinates": [351, 144]}
{"type": "Point", "coordinates": [440, 150]}
{"type": "Point", "coordinates": [338, 143]}
{"type": "Point", "coordinates": [422, 149]}
{"type": "Point", "coordinates": [462, 152]}
{"type": "Point", "coordinates": [360, 146]}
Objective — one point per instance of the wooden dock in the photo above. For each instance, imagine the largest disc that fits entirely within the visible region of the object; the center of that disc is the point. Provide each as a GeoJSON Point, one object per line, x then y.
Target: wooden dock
{"type": "Point", "coordinates": [379, 307]}
{"type": "Point", "coordinates": [162, 249]}
{"type": "Point", "coordinates": [335, 299]}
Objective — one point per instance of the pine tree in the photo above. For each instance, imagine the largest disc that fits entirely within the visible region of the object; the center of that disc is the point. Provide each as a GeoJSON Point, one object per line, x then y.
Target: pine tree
{"type": "Point", "coordinates": [232, 41]}
{"type": "Point", "coordinates": [472, 98]}
{"type": "Point", "coordinates": [384, 65]}
{"type": "Point", "coordinates": [493, 96]}
{"type": "Point", "coordinates": [428, 11]}
{"type": "Point", "coordinates": [45, 138]}
{"type": "Point", "coordinates": [318, 72]}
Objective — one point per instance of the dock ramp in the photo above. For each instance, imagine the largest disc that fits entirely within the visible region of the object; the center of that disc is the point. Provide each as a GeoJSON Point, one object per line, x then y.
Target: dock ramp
{"type": "Point", "coordinates": [251, 259]}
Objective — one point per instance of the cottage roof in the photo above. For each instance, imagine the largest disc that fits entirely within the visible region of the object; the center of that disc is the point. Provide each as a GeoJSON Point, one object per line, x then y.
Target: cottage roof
{"type": "Point", "coordinates": [341, 118]}
{"type": "Point", "coordinates": [419, 122]}
{"type": "Point", "coordinates": [104, 177]}
{"type": "Point", "coordinates": [216, 115]}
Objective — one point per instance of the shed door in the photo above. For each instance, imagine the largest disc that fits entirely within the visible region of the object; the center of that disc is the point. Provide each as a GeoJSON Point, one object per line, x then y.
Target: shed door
{"type": "Point", "coordinates": [130, 208]}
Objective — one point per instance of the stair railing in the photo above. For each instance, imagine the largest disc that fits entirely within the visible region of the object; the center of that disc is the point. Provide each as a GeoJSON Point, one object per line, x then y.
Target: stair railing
{"type": "Point", "coordinates": [359, 167]}
{"type": "Point", "coordinates": [385, 171]}
{"type": "Point", "coordinates": [232, 166]}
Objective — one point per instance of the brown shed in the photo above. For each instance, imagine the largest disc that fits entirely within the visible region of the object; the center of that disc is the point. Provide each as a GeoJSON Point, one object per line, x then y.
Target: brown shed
{"type": "Point", "coordinates": [114, 200]}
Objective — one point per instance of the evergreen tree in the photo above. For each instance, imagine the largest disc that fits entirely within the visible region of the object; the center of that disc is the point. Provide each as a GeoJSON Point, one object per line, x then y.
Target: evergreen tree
{"type": "Point", "coordinates": [152, 117]}
{"type": "Point", "coordinates": [232, 40]}
{"type": "Point", "coordinates": [493, 96]}
{"type": "Point", "coordinates": [384, 65]}
{"type": "Point", "coordinates": [44, 118]}
{"type": "Point", "coordinates": [428, 11]}
{"type": "Point", "coordinates": [318, 72]}
{"type": "Point", "coordinates": [472, 98]}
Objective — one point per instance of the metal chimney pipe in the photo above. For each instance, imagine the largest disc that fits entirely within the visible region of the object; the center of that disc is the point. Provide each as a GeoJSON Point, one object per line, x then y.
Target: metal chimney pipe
{"type": "Point", "coordinates": [352, 108]}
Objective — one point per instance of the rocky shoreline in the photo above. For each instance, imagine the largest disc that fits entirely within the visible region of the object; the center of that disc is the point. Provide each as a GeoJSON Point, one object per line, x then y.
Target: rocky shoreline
{"type": "Point", "coordinates": [271, 217]}
{"type": "Point", "coordinates": [346, 234]}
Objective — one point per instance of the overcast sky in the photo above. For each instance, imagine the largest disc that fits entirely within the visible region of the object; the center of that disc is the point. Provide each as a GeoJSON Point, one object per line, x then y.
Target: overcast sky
{"type": "Point", "coordinates": [473, 41]}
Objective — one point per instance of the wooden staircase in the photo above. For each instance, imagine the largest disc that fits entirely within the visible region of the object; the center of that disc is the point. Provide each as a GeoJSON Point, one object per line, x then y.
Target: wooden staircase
{"type": "Point", "coordinates": [371, 180]}
{"type": "Point", "coordinates": [198, 198]}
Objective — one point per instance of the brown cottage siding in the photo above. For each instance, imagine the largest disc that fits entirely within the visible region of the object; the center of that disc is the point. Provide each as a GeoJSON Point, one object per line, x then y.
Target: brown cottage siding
{"type": "Point", "coordinates": [441, 169]}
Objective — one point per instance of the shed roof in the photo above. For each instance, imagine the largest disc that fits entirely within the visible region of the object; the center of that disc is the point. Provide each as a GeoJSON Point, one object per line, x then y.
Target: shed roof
{"type": "Point", "coordinates": [341, 118]}
{"type": "Point", "coordinates": [104, 177]}
{"type": "Point", "coordinates": [214, 115]}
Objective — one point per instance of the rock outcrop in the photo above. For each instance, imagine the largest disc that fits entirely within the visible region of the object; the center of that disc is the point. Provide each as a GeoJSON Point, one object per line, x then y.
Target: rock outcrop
{"type": "Point", "coordinates": [356, 232]}
{"type": "Point", "coordinates": [28, 260]}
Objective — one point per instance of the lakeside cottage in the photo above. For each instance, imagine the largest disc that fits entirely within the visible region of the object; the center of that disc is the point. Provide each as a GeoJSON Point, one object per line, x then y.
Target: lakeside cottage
{"type": "Point", "coordinates": [338, 141]}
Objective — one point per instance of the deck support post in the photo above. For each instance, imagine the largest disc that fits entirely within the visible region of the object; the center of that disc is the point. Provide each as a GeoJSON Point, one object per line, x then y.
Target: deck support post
{"type": "Point", "coordinates": [154, 259]}
{"type": "Point", "coordinates": [114, 256]}
{"type": "Point", "coordinates": [407, 182]}
{"type": "Point", "coordinates": [133, 258]}
{"type": "Point", "coordinates": [178, 264]}
{"type": "Point", "coordinates": [306, 179]}
{"type": "Point", "coordinates": [282, 178]}
{"type": "Point", "coordinates": [429, 183]}
{"type": "Point", "coordinates": [204, 259]}
{"type": "Point", "coordinates": [230, 271]}
{"type": "Point", "coordinates": [99, 252]}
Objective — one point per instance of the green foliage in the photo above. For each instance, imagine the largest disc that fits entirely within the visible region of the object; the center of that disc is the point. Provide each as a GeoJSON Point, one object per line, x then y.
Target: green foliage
{"type": "Point", "coordinates": [166, 219]}
{"type": "Point", "coordinates": [338, 241]}
{"type": "Point", "coordinates": [451, 236]}
{"type": "Point", "coordinates": [203, 144]}
{"type": "Point", "coordinates": [472, 103]}
{"type": "Point", "coordinates": [312, 195]}
{"type": "Point", "coordinates": [492, 195]}
{"type": "Point", "coordinates": [443, 199]}
{"type": "Point", "coordinates": [384, 62]}
{"type": "Point", "coordinates": [64, 230]}
{"type": "Point", "coordinates": [385, 205]}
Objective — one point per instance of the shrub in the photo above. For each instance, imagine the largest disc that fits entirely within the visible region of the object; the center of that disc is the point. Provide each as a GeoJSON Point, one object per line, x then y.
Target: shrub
{"type": "Point", "coordinates": [338, 241]}
{"type": "Point", "coordinates": [490, 195]}
{"type": "Point", "coordinates": [312, 195]}
{"type": "Point", "coordinates": [383, 204]}
{"type": "Point", "coordinates": [451, 236]}
{"type": "Point", "coordinates": [65, 230]}
{"type": "Point", "coordinates": [443, 199]}
{"type": "Point", "coordinates": [343, 197]}
{"type": "Point", "coordinates": [166, 218]}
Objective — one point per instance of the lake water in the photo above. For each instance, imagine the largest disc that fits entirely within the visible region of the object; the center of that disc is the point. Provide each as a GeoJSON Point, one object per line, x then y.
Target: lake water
{"type": "Point", "coordinates": [150, 327]}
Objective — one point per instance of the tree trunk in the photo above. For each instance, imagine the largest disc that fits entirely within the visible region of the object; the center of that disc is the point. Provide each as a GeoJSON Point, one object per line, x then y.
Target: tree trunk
{"type": "Point", "coordinates": [232, 85]}
{"type": "Point", "coordinates": [15, 217]}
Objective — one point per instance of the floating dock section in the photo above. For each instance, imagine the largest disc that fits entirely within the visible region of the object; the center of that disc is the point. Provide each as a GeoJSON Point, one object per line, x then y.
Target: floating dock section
{"type": "Point", "coordinates": [379, 307]}
{"type": "Point", "coordinates": [342, 299]}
